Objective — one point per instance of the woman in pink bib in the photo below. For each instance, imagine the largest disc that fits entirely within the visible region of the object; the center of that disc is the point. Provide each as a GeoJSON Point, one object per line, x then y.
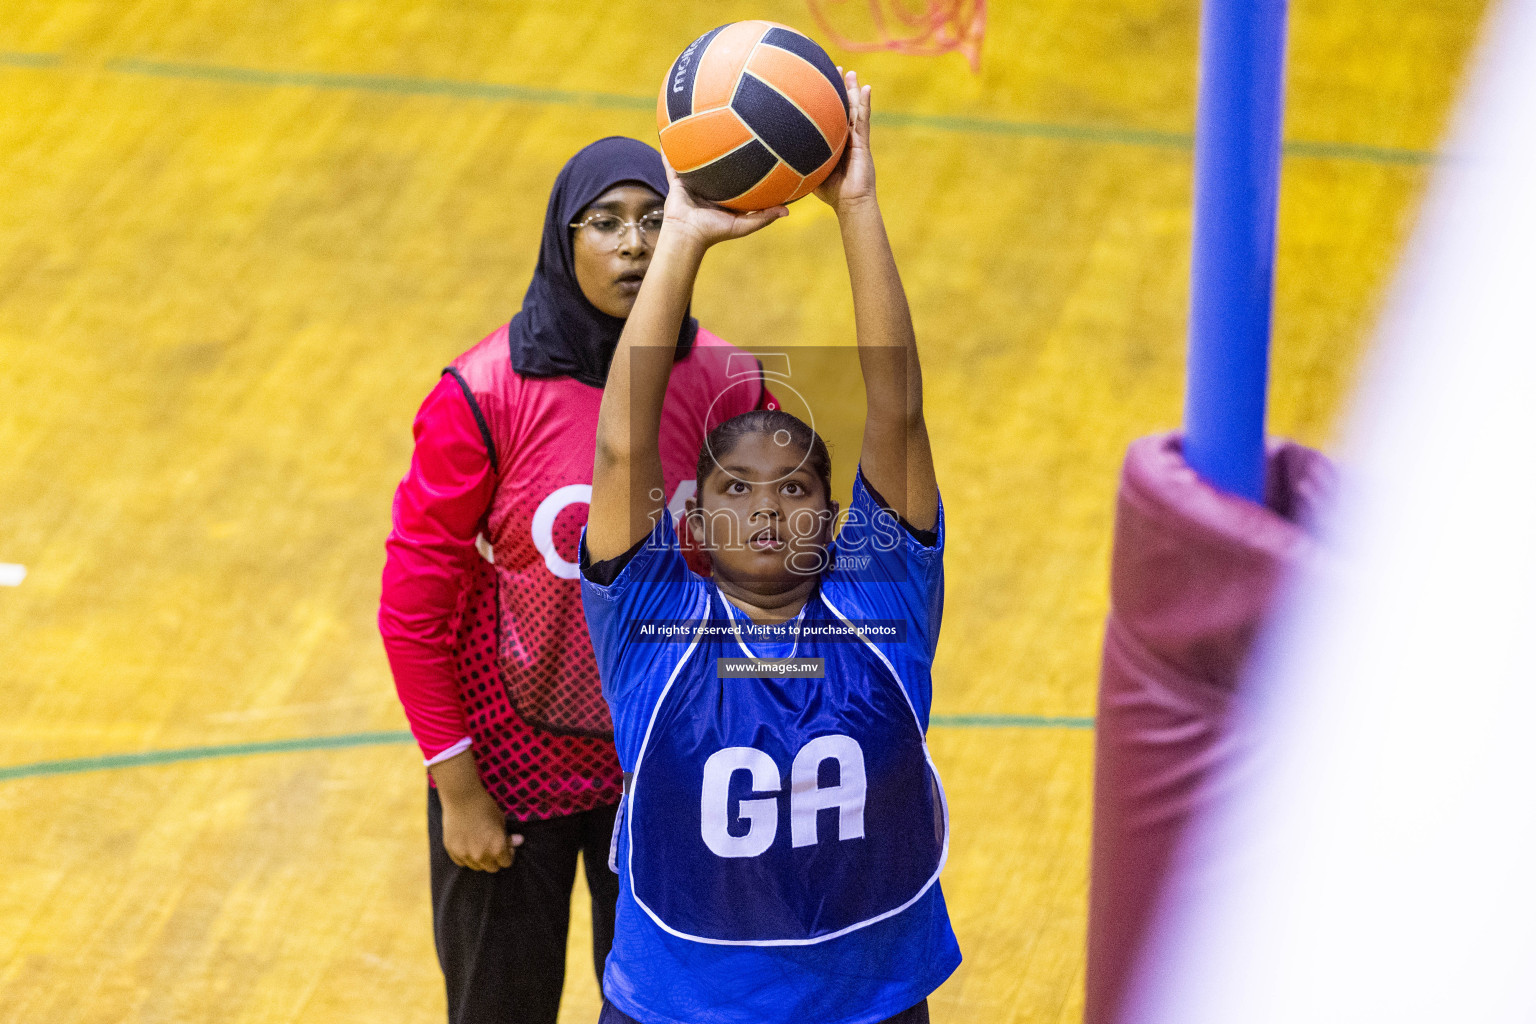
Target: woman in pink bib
{"type": "Point", "coordinates": [481, 609]}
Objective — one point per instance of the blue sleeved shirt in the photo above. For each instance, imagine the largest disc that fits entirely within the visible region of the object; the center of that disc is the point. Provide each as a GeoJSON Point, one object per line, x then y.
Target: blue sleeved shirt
{"type": "Point", "coordinates": [782, 837]}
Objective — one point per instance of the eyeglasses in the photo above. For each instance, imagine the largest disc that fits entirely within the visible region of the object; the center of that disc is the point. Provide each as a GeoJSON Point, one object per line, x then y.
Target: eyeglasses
{"type": "Point", "coordinates": [607, 229]}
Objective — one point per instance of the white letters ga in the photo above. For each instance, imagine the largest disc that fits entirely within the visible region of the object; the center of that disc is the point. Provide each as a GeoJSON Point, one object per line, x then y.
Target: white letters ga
{"type": "Point", "coordinates": [806, 798]}
{"type": "Point", "coordinates": [581, 494]}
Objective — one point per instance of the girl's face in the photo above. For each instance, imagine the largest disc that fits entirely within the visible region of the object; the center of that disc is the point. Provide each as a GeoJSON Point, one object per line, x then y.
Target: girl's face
{"type": "Point", "coordinates": [613, 247]}
{"type": "Point", "coordinates": [762, 514]}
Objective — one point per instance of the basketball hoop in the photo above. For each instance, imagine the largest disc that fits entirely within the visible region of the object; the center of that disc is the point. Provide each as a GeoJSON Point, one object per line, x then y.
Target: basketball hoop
{"type": "Point", "coordinates": [942, 26]}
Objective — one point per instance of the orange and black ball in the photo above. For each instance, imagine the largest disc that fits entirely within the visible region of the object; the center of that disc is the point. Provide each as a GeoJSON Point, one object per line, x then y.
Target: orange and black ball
{"type": "Point", "coordinates": [752, 114]}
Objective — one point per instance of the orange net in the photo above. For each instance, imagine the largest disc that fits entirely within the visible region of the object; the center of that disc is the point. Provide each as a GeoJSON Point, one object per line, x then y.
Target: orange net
{"type": "Point", "coordinates": [940, 26]}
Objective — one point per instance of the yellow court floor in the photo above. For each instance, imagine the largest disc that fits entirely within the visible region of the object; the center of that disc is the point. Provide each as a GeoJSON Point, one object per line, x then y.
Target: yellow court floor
{"type": "Point", "coordinates": [239, 239]}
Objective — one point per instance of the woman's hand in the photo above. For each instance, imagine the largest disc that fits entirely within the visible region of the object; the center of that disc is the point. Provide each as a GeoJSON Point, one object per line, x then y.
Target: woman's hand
{"type": "Point", "coordinates": [704, 223]}
{"type": "Point", "coordinates": [852, 181]}
{"type": "Point", "coordinates": [474, 829]}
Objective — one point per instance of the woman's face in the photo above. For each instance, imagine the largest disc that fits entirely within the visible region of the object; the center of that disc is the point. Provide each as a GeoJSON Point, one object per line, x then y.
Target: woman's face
{"type": "Point", "coordinates": [763, 514]}
{"type": "Point", "coordinates": [613, 250]}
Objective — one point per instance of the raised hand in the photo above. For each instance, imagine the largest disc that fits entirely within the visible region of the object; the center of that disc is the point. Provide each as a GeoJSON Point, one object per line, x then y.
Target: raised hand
{"type": "Point", "coordinates": [626, 466]}
{"type": "Point", "coordinates": [852, 181]}
{"type": "Point", "coordinates": [704, 222]}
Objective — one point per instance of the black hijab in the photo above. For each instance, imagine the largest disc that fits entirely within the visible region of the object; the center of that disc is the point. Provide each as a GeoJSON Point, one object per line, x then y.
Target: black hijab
{"type": "Point", "coordinates": [558, 333]}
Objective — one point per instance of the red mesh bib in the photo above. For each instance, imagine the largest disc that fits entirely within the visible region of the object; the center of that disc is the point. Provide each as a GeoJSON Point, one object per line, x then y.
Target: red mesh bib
{"type": "Point", "coordinates": [551, 685]}
{"type": "Point", "coordinates": [531, 772]}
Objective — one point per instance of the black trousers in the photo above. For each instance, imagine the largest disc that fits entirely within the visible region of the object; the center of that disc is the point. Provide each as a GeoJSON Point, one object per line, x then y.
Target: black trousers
{"type": "Point", "coordinates": [911, 1015]}
{"type": "Point", "coordinates": [501, 937]}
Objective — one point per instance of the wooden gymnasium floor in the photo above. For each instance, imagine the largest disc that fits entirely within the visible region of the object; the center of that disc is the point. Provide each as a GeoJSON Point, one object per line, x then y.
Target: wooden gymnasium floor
{"type": "Point", "coordinates": [237, 242]}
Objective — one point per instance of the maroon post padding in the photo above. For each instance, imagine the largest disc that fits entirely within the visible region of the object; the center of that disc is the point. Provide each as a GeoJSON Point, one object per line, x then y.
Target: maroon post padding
{"type": "Point", "coordinates": [1193, 573]}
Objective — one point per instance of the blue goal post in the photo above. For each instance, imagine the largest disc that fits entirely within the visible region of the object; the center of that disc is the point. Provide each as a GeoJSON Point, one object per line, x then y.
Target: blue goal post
{"type": "Point", "coordinates": [1237, 184]}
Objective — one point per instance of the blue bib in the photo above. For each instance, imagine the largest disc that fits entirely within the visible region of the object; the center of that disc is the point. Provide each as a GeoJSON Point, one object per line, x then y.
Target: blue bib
{"type": "Point", "coordinates": [782, 811]}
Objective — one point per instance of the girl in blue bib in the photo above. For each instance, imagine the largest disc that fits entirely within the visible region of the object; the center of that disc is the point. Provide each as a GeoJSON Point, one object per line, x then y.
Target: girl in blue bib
{"type": "Point", "coordinates": [783, 827]}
